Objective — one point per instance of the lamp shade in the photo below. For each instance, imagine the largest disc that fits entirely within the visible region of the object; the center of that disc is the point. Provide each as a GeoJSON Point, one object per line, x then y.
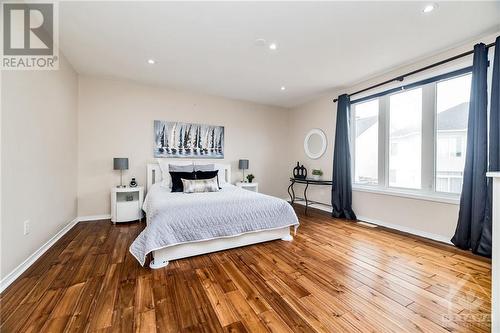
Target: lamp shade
{"type": "Point", "coordinates": [243, 164]}
{"type": "Point", "coordinates": [120, 163]}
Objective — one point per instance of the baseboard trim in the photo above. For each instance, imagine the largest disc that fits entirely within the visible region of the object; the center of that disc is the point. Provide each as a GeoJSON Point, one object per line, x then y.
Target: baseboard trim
{"type": "Point", "coordinates": [416, 232]}
{"type": "Point", "coordinates": [94, 217]}
{"type": "Point", "coordinates": [12, 276]}
{"type": "Point", "coordinates": [397, 227]}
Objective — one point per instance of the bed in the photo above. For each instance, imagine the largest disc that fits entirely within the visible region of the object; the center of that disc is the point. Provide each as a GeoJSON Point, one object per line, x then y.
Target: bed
{"type": "Point", "coordinates": [182, 225]}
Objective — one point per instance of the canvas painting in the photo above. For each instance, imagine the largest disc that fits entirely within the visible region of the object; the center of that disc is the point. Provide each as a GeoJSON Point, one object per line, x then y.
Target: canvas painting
{"type": "Point", "coordinates": [175, 139]}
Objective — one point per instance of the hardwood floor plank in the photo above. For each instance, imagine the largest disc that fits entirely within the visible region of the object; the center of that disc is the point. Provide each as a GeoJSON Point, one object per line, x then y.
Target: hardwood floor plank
{"type": "Point", "coordinates": [146, 322]}
{"type": "Point", "coordinates": [274, 323]}
{"type": "Point", "coordinates": [248, 317]}
{"type": "Point", "coordinates": [103, 314]}
{"type": "Point", "coordinates": [68, 301]}
{"type": "Point", "coordinates": [236, 327]}
{"type": "Point", "coordinates": [224, 311]}
{"type": "Point", "coordinates": [252, 296]}
{"type": "Point", "coordinates": [85, 308]}
{"type": "Point", "coordinates": [41, 312]}
{"type": "Point", "coordinates": [143, 294]}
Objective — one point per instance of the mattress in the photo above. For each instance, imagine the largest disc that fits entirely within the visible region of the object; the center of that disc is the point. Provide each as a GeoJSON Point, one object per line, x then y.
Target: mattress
{"type": "Point", "coordinates": [178, 218]}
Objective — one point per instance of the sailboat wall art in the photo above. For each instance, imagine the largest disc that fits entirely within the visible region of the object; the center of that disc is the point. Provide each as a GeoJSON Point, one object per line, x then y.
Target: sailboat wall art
{"type": "Point", "coordinates": [178, 140]}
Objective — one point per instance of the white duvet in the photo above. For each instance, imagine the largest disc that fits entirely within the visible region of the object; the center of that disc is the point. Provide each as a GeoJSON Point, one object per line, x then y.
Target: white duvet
{"type": "Point", "coordinates": [174, 218]}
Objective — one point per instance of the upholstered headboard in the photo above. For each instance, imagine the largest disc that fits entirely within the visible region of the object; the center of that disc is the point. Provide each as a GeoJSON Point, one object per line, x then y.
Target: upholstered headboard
{"type": "Point", "coordinates": [154, 172]}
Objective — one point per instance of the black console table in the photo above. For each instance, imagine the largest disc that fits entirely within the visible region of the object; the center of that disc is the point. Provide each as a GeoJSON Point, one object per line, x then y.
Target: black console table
{"type": "Point", "coordinates": [307, 182]}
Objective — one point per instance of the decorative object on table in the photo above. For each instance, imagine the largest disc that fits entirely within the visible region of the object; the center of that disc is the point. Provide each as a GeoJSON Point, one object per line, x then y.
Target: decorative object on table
{"type": "Point", "coordinates": [243, 165]}
{"type": "Point", "coordinates": [299, 172]}
{"type": "Point", "coordinates": [316, 174]}
{"type": "Point", "coordinates": [315, 143]}
{"type": "Point", "coordinates": [133, 183]}
{"type": "Point", "coordinates": [176, 139]}
{"type": "Point", "coordinates": [129, 197]}
{"type": "Point", "coordinates": [250, 178]}
{"type": "Point", "coordinates": [120, 163]}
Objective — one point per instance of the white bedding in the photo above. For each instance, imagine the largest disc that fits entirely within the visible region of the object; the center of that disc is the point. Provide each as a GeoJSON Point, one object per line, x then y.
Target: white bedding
{"type": "Point", "coordinates": [175, 218]}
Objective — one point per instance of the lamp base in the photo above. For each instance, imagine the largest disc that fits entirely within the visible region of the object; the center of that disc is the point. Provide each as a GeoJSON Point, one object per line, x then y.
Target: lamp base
{"type": "Point", "coordinates": [121, 181]}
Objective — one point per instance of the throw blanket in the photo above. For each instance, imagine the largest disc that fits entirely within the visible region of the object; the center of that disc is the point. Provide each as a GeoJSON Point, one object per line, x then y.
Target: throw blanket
{"type": "Point", "coordinates": [175, 218]}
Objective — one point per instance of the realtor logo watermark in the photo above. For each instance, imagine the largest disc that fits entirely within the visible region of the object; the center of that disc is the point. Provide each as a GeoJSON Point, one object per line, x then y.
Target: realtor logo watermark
{"type": "Point", "coordinates": [30, 36]}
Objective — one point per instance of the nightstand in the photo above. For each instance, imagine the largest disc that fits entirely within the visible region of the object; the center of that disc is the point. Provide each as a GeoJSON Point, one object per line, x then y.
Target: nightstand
{"type": "Point", "coordinates": [254, 187]}
{"type": "Point", "coordinates": [126, 203]}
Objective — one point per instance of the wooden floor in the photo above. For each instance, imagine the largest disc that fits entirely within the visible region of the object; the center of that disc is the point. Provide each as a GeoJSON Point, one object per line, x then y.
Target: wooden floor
{"type": "Point", "coordinates": [334, 277]}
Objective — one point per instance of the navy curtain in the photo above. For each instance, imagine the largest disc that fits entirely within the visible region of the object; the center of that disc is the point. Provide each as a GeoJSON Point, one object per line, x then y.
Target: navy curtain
{"type": "Point", "coordinates": [484, 246]}
{"type": "Point", "coordinates": [342, 187]}
{"type": "Point", "coordinates": [472, 217]}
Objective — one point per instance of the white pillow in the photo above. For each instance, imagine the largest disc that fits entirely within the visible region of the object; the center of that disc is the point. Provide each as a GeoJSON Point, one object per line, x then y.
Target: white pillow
{"type": "Point", "coordinates": [204, 167]}
{"type": "Point", "coordinates": [180, 168]}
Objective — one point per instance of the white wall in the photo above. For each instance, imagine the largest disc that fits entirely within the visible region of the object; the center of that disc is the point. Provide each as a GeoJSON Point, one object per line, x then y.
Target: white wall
{"type": "Point", "coordinates": [432, 219]}
{"type": "Point", "coordinates": [39, 158]}
{"type": "Point", "coordinates": [115, 119]}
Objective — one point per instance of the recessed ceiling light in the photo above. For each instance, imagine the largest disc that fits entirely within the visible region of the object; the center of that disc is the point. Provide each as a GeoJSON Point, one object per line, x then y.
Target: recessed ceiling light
{"type": "Point", "coordinates": [283, 88]}
{"type": "Point", "coordinates": [260, 42]}
{"type": "Point", "coordinates": [151, 61]}
{"type": "Point", "coordinates": [429, 8]}
{"type": "Point", "coordinates": [273, 46]}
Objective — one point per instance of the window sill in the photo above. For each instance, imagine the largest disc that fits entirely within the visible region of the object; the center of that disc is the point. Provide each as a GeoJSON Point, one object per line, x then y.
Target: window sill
{"type": "Point", "coordinates": [448, 199]}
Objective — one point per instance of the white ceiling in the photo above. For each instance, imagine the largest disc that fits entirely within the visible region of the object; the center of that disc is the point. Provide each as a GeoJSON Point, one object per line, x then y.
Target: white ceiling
{"type": "Point", "coordinates": [210, 46]}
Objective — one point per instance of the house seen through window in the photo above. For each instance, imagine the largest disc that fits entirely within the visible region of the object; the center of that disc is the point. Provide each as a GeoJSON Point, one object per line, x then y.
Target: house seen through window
{"type": "Point", "coordinates": [413, 140]}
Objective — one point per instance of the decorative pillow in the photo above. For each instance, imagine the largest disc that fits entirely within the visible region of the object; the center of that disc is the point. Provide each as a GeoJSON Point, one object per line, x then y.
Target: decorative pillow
{"type": "Point", "coordinates": [177, 179]}
{"type": "Point", "coordinates": [208, 175]}
{"type": "Point", "coordinates": [200, 185]}
{"type": "Point", "coordinates": [204, 167]}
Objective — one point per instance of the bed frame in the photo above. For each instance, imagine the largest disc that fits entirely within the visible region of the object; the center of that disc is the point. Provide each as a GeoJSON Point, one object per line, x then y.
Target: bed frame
{"type": "Point", "coordinates": [161, 257]}
{"type": "Point", "coordinates": [154, 171]}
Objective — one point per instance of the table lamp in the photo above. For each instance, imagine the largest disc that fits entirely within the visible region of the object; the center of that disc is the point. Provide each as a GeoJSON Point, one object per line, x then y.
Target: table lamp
{"type": "Point", "coordinates": [243, 165]}
{"type": "Point", "coordinates": [120, 163]}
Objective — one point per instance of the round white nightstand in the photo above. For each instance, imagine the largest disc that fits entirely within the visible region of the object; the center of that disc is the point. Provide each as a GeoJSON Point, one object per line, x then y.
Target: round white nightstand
{"type": "Point", "coordinates": [126, 203]}
{"type": "Point", "coordinates": [248, 186]}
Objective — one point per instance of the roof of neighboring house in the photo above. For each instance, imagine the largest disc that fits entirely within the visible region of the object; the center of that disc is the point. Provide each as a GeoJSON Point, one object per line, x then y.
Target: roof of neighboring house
{"type": "Point", "coordinates": [455, 118]}
{"type": "Point", "coordinates": [365, 123]}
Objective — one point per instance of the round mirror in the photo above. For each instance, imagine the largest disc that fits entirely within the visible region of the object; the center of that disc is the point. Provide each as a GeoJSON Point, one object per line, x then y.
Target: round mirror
{"type": "Point", "coordinates": [315, 143]}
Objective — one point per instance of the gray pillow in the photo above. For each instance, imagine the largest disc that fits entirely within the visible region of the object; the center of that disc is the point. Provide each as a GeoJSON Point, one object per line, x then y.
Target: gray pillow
{"type": "Point", "coordinates": [180, 168]}
{"type": "Point", "coordinates": [204, 167]}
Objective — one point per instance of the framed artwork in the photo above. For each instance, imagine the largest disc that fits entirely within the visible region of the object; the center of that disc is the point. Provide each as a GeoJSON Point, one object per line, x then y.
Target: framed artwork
{"type": "Point", "coordinates": [188, 140]}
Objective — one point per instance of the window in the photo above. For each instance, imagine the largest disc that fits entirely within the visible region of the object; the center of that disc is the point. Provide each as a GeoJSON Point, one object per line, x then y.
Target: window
{"type": "Point", "coordinates": [366, 137]}
{"type": "Point", "coordinates": [452, 105]}
{"type": "Point", "coordinates": [405, 139]}
{"type": "Point", "coordinates": [413, 140]}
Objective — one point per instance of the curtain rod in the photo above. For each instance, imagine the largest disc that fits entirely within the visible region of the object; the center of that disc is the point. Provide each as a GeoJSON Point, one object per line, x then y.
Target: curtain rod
{"type": "Point", "coordinates": [402, 77]}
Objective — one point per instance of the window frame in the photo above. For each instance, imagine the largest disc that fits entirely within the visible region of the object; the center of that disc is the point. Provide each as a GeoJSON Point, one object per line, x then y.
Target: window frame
{"type": "Point", "coordinates": [353, 151]}
{"type": "Point", "coordinates": [428, 145]}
